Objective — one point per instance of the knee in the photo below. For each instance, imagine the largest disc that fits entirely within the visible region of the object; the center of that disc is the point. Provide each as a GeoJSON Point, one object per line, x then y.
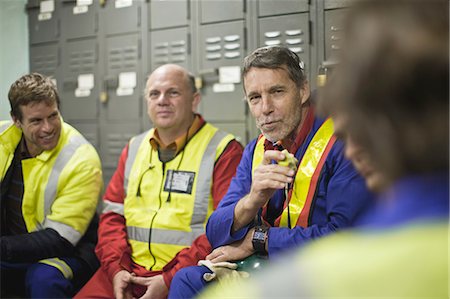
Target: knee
{"type": "Point", "coordinates": [42, 278]}
{"type": "Point", "coordinates": [189, 275]}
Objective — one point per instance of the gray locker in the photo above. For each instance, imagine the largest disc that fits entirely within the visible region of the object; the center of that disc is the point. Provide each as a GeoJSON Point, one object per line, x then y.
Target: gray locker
{"type": "Point", "coordinates": [332, 4]}
{"type": "Point", "coordinates": [43, 26]}
{"type": "Point", "coordinates": [333, 32]}
{"type": "Point", "coordinates": [161, 9]}
{"type": "Point", "coordinates": [113, 138]}
{"type": "Point", "coordinates": [79, 21]}
{"type": "Point", "coordinates": [89, 130]}
{"type": "Point", "coordinates": [44, 59]}
{"type": "Point", "coordinates": [118, 19]}
{"type": "Point", "coordinates": [170, 46]}
{"type": "Point", "coordinates": [279, 7]}
{"type": "Point", "coordinates": [221, 45]}
{"type": "Point", "coordinates": [237, 129]}
{"type": "Point", "coordinates": [80, 86]}
{"type": "Point", "coordinates": [123, 60]}
{"type": "Point", "coordinates": [288, 30]}
{"type": "Point", "coordinates": [213, 11]}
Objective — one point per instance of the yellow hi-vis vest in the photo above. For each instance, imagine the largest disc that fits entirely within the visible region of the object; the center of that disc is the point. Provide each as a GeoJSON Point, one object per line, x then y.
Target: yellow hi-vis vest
{"type": "Point", "coordinates": [307, 176]}
{"type": "Point", "coordinates": [61, 186]}
{"type": "Point", "coordinates": [161, 222]}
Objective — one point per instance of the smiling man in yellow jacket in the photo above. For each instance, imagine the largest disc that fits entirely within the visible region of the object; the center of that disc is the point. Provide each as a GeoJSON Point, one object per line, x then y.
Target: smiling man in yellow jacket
{"type": "Point", "coordinates": [50, 183]}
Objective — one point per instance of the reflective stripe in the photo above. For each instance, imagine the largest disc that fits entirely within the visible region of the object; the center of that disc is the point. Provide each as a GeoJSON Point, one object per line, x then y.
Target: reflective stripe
{"type": "Point", "coordinates": [61, 161]}
{"type": "Point", "coordinates": [5, 126]}
{"type": "Point", "coordinates": [66, 231]}
{"type": "Point", "coordinates": [132, 152]}
{"type": "Point", "coordinates": [306, 169]}
{"type": "Point", "coordinates": [204, 182]}
{"type": "Point", "coordinates": [163, 236]}
{"type": "Point", "coordinates": [110, 206]}
{"type": "Point", "coordinates": [60, 265]}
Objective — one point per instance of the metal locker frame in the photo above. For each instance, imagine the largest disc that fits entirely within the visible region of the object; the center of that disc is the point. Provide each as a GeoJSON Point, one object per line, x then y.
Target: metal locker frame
{"type": "Point", "coordinates": [122, 54]}
{"type": "Point", "coordinates": [80, 57]}
{"type": "Point", "coordinates": [121, 20]}
{"type": "Point", "coordinates": [170, 46]}
{"type": "Point", "coordinates": [45, 30]}
{"type": "Point", "coordinates": [215, 11]}
{"type": "Point", "coordinates": [179, 13]}
{"type": "Point", "coordinates": [280, 7]}
{"type": "Point", "coordinates": [79, 23]}
{"type": "Point", "coordinates": [291, 31]}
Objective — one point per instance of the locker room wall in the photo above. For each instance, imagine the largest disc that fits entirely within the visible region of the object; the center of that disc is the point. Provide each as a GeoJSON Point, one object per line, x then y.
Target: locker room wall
{"type": "Point", "coordinates": [101, 51]}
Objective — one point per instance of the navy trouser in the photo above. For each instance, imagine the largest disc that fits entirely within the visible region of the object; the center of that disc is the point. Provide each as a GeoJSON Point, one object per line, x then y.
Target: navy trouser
{"type": "Point", "coordinates": [40, 280]}
{"type": "Point", "coordinates": [188, 282]}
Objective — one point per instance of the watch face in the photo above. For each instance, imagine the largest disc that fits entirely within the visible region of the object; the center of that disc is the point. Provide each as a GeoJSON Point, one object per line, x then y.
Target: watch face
{"type": "Point", "coordinates": [259, 236]}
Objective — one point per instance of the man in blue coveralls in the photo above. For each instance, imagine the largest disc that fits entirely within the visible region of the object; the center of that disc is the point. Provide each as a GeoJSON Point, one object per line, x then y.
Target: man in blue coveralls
{"type": "Point", "coordinates": [270, 207]}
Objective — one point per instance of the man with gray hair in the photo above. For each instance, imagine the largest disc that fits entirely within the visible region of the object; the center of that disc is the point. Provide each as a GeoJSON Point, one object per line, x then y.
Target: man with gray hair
{"type": "Point", "coordinates": [276, 203]}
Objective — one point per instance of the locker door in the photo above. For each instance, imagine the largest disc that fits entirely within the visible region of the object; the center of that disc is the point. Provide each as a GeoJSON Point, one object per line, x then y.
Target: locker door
{"type": "Point", "coordinates": [123, 81]}
{"type": "Point", "coordinates": [113, 138]}
{"type": "Point", "coordinates": [44, 59]}
{"type": "Point", "coordinates": [290, 30]}
{"type": "Point", "coordinates": [43, 21]}
{"type": "Point", "coordinates": [160, 9]}
{"type": "Point", "coordinates": [80, 79]}
{"type": "Point", "coordinates": [222, 45]}
{"type": "Point", "coordinates": [333, 32]}
{"type": "Point", "coordinates": [121, 16]}
{"type": "Point", "coordinates": [170, 46]}
{"type": "Point", "coordinates": [79, 21]}
{"type": "Point", "coordinates": [213, 11]}
{"type": "Point", "coordinates": [89, 130]}
{"type": "Point", "coordinates": [279, 7]}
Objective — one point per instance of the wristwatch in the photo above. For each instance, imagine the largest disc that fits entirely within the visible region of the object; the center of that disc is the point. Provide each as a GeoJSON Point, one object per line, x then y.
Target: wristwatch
{"type": "Point", "coordinates": [259, 239]}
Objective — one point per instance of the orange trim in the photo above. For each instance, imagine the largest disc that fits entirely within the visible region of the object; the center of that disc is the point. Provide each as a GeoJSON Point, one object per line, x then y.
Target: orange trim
{"type": "Point", "coordinates": [304, 215]}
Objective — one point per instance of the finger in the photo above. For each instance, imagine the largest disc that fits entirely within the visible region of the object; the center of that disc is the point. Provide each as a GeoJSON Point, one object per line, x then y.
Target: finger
{"type": "Point", "coordinates": [139, 280]}
{"type": "Point", "coordinates": [220, 258]}
{"type": "Point", "coordinates": [215, 253]}
{"type": "Point", "coordinates": [272, 155]}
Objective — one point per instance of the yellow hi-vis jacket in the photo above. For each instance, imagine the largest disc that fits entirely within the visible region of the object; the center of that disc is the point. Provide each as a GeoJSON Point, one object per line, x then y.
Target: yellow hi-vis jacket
{"type": "Point", "coordinates": [306, 178]}
{"type": "Point", "coordinates": [61, 186]}
{"type": "Point", "coordinates": [167, 204]}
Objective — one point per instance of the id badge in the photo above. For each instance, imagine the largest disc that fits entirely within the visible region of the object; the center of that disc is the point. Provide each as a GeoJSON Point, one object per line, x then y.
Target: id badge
{"type": "Point", "coordinates": [179, 181]}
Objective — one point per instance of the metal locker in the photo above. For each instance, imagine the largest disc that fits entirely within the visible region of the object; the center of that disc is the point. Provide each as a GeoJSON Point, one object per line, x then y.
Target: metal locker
{"type": "Point", "coordinates": [221, 45]}
{"type": "Point", "coordinates": [222, 48]}
{"type": "Point", "coordinates": [160, 9]}
{"type": "Point", "coordinates": [43, 21]}
{"type": "Point", "coordinates": [88, 129]}
{"type": "Point", "coordinates": [333, 32]}
{"type": "Point", "coordinates": [280, 7]}
{"type": "Point", "coordinates": [113, 137]}
{"type": "Point", "coordinates": [79, 21]}
{"type": "Point", "coordinates": [120, 16]}
{"type": "Point", "coordinates": [44, 59]}
{"type": "Point", "coordinates": [214, 11]}
{"type": "Point", "coordinates": [123, 77]}
{"type": "Point", "coordinates": [237, 129]}
{"type": "Point", "coordinates": [170, 46]}
{"type": "Point", "coordinates": [80, 82]}
{"type": "Point", "coordinates": [289, 30]}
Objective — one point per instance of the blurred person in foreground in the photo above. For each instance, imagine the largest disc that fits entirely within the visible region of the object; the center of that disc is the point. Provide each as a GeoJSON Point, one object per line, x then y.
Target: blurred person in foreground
{"type": "Point", "coordinates": [167, 183]}
{"type": "Point", "coordinates": [390, 101]}
{"type": "Point", "coordinates": [270, 207]}
{"type": "Point", "coordinates": [51, 181]}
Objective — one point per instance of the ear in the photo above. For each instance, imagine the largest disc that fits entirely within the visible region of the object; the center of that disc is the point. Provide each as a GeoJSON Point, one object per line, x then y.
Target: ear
{"type": "Point", "coordinates": [196, 101]}
{"type": "Point", "coordinates": [305, 92]}
{"type": "Point", "coordinates": [16, 121]}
